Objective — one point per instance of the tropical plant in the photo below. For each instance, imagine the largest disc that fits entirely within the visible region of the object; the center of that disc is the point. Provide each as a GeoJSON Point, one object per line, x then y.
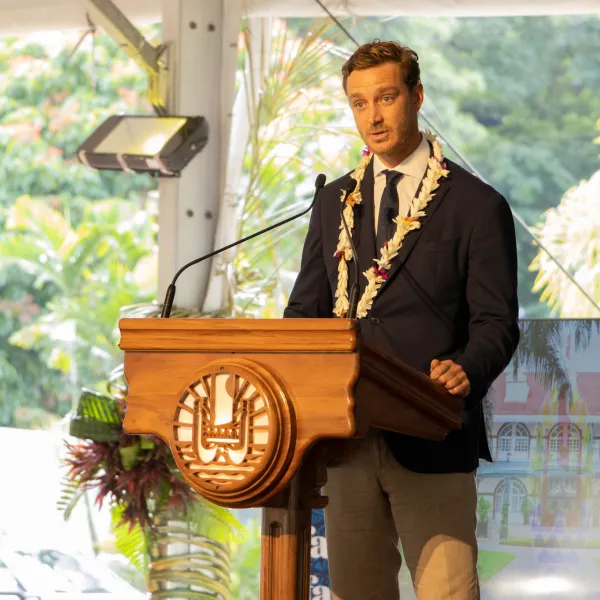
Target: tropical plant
{"type": "Point", "coordinates": [541, 347]}
{"type": "Point", "coordinates": [483, 514]}
{"type": "Point", "coordinates": [526, 123]}
{"type": "Point", "coordinates": [153, 509]}
{"type": "Point", "coordinates": [526, 509]}
{"type": "Point", "coordinates": [54, 90]}
{"type": "Point", "coordinates": [504, 521]}
{"type": "Point", "coordinates": [245, 563]}
{"type": "Point", "coordinates": [86, 273]}
{"type": "Point", "coordinates": [467, 66]}
{"type": "Point", "coordinates": [571, 232]}
{"type": "Point", "coordinates": [483, 509]}
{"type": "Point", "coordinates": [299, 124]}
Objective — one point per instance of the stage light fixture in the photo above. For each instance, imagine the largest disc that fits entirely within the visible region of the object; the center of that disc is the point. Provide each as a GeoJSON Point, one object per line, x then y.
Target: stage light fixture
{"type": "Point", "coordinates": [157, 145]}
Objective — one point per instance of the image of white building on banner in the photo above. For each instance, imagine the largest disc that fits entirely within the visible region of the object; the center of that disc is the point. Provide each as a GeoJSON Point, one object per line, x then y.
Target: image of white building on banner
{"type": "Point", "coordinates": [545, 443]}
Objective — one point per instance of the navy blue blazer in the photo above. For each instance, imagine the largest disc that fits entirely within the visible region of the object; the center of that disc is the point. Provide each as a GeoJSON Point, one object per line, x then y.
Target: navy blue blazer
{"type": "Point", "coordinates": [451, 293]}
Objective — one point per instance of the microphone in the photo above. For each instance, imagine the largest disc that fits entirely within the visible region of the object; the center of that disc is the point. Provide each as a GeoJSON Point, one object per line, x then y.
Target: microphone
{"type": "Point", "coordinates": [170, 295]}
{"type": "Point", "coordinates": [354, 290]}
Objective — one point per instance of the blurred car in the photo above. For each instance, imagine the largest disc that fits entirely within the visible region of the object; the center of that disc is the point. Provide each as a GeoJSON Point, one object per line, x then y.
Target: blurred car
{"type": "Point", "coordinates": [50, 574]}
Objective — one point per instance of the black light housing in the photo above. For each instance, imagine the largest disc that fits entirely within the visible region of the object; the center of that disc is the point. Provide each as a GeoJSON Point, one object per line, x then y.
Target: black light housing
{"type": "Point", "coordinates": [157, 145]}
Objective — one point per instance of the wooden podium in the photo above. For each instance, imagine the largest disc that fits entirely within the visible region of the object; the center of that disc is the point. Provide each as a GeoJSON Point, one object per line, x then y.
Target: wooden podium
{"type": "Point", "coordinates": [253, 410]}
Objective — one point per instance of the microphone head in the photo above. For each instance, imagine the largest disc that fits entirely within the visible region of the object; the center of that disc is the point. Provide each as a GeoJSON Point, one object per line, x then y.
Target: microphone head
{"type": "Point", "coordinates": [320, 181]}
{"type": "Point", "coordinates": [351, 187]}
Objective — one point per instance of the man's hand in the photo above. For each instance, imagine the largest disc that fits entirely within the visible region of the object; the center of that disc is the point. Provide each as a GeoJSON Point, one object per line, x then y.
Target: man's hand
{"type": "Point", "coordinates": [451, 376]}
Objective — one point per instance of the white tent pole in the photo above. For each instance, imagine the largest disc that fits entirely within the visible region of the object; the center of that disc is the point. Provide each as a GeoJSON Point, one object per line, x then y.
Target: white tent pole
{"type": "Point", "coordinates": [221, 284]}
{"type": "Point", "coordinates": [202, 56]}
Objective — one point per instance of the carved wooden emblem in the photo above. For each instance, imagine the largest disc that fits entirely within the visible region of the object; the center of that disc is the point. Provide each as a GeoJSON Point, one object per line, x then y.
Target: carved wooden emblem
{"type": "Point", "coordinates": [231, 430]}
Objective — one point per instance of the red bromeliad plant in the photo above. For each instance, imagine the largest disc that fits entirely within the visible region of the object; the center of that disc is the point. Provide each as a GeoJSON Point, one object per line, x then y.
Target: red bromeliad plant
{"type": "Point", "coordinates": [152, 506]}
{"type": "Point", "coordinates": [100, 467]}
{"type": "Point", "coordinates": [135, 473]}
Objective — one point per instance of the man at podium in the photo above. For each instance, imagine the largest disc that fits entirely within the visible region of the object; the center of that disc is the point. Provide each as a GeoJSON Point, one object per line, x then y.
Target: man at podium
{"type": "Point", "coordinates": [437, 287]}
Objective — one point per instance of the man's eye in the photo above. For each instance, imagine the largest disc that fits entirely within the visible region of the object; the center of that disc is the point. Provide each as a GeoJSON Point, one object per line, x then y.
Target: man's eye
{"type": "Point", "coordinates": [358, 104]}
{"type": "Point", "coordinates": [387, 98]}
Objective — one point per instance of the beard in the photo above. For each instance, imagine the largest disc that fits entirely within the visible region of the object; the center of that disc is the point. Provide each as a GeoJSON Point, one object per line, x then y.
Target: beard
{"type": "Point", "coordinates": [401, 136]}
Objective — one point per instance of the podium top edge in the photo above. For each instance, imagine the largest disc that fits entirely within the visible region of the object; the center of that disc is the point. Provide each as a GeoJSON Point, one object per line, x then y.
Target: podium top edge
{"type": "Point", "coordinates": [238, 325]}
{"type": "Point", "coordinates": [238, 335]}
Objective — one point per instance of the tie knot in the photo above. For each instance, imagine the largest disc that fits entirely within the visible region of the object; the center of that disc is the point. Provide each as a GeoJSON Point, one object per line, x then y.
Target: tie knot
{"type": "Point", "coordinates": [391, 176]}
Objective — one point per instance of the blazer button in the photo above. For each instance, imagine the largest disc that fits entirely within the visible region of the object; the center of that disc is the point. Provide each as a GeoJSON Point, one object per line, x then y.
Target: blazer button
{"type": "Point", "coordinates": [374, 320]}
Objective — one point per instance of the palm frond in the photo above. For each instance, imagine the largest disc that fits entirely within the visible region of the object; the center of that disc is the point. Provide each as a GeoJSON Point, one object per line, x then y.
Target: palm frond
{"type": "Point", "coordinates": [292, 105]}
{"type": "Point", "coordinates": [96, 418]}
{"type": "Point", "coordinates": [131, 542]}
{"type": "Point", "coordinates": [203, 563]}
{"type": "Point", "coordinates": [570, 233]}
{"type": "Point", "coordinates": [540, 350]}
{"type": "Point", "coordinates": [70, 494]}
{"type": "Point", "coordinates": [174, 593]}
{"type": "Point", "coordinates": [211, 521]}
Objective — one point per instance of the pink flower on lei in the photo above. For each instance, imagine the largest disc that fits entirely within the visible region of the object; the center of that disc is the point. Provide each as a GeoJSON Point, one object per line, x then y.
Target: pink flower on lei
{"type": "Point", "coordinates": [381, 273]}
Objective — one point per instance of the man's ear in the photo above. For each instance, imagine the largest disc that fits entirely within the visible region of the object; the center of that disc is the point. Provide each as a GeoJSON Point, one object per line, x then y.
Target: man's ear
{"type": "Point", "coordinates": [418, 94]}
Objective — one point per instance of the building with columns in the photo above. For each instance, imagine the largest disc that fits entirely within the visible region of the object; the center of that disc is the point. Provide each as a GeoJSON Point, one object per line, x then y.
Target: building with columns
{"type": "Point", "coordinates": [546, 448]}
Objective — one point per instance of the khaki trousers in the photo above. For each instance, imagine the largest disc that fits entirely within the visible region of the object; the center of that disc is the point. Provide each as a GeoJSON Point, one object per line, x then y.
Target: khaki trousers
{"type": "Point", "coordinates": [374, 502]}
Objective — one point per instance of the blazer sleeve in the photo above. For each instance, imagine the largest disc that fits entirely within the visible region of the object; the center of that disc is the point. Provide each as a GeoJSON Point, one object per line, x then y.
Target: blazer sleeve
{"type": "Point", "coordinates": [311, 295]}
{"type": "Point", "coordinates": [491, 294]}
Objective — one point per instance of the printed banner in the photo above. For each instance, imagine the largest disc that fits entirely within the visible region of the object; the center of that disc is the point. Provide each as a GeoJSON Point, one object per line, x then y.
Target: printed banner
{"type": "Point", "coordinates": [538, 514]}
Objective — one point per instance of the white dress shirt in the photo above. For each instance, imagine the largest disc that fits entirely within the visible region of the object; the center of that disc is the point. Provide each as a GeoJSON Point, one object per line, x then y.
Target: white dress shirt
{"type": "Point", "coordinates": [413, 167]}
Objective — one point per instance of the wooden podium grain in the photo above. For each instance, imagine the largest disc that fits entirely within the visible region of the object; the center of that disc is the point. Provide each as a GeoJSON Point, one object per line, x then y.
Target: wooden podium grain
{"type": "Point", "coordinates": [253, 410]}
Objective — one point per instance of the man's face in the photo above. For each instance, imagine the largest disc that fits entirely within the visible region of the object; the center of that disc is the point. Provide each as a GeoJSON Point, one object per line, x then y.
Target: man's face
{"type": "Point", "coordinates": [385, 110]}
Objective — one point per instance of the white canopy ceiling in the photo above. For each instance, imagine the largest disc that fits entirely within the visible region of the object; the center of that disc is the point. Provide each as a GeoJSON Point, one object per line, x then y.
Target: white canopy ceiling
{"type": "Point", "coordinates": [19, 16]}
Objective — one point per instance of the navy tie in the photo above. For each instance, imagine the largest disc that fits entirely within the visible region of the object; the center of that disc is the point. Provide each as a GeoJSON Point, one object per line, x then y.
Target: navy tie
{"type": "Point", "coordinates": [388, 208]}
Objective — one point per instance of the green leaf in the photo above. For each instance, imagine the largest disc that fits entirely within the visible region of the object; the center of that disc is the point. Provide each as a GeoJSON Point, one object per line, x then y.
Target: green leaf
{"type": "Point", "coordinates": [215, 522]}
{"type": "Point", "coordinates": [132, 543]}
{"type": "Point", "coordinates": [59, 360]}
{"type": "Point", "coordinates": [99, 407]}
{"type": "Point", "coordinates": [129, 455]}
{"type": "Point", "coordinates": [85, 428]}
{"type": "Point", "coordinates": [96, 418]}
{"type": "Point", "coordinates": [71, 493]}
{"type": "Point", "coordinates": [147, 443]}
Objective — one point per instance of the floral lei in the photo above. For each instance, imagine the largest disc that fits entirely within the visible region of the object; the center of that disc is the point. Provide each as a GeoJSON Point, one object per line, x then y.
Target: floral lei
{"type": "Point", "coordinates": [378, 273]}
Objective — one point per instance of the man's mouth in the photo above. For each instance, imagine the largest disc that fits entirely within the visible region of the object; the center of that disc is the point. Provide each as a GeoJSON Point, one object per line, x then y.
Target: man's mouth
{"type": "Point", "coordinates": [377, 135]}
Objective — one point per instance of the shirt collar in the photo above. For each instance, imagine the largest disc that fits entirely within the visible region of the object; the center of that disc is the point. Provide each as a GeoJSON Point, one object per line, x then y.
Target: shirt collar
{"type": "Point", "coordinates": [414, 165]}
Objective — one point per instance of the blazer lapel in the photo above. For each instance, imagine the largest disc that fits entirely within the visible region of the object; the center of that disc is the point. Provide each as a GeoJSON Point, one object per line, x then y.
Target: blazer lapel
{"type": "Point", "coordinates": [365, 226]}
{"type": "Point", "coordinates": [412, 238]}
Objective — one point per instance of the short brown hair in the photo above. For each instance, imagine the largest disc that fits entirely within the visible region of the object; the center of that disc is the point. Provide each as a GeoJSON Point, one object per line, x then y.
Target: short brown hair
{"type": "Point", "coordinates": [378, 53]}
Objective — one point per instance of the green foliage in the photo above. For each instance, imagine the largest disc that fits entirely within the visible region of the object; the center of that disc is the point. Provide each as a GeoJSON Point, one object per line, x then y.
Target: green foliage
{"type": "Point", "coordinates": [95, 269]}
{"type": "Point", "coordinates": [30, 390]}
{"type": "Point", "coordinates": [71, 494]}
{"type": "Point", "coordinates": [483, 509]}
{"type": "Point", "coordinates": [298, 128]}
{"type": "Point", "coordinates": [131, 541]}
{"type": "Point", "coordinates": [524, 115]}
{"type": "Point", "coordinates": [504, 521]}
{"type": "Point", "coordinates": [526, 509]}
{"type": "Point", "coordinates": [97, 418]}
{"type": "Point", "coordinates": [245, 564]}
{"type": "Point", "coordinates": [50, 103]}
{"type": "Point", "coordinates": [50, 100]}
{"type": "Point", "coordinates": [541, 349]}
{"type": "Point", "coordinates": [571, 232]}
{"type": "Point", "coordinates": [152, 508]}
{"type": "Point", "coordinates": [202, 561]}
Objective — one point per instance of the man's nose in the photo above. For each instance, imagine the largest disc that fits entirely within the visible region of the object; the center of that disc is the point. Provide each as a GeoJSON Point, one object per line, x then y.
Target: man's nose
{"type": "Point", "coordinates": [374, 115]}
